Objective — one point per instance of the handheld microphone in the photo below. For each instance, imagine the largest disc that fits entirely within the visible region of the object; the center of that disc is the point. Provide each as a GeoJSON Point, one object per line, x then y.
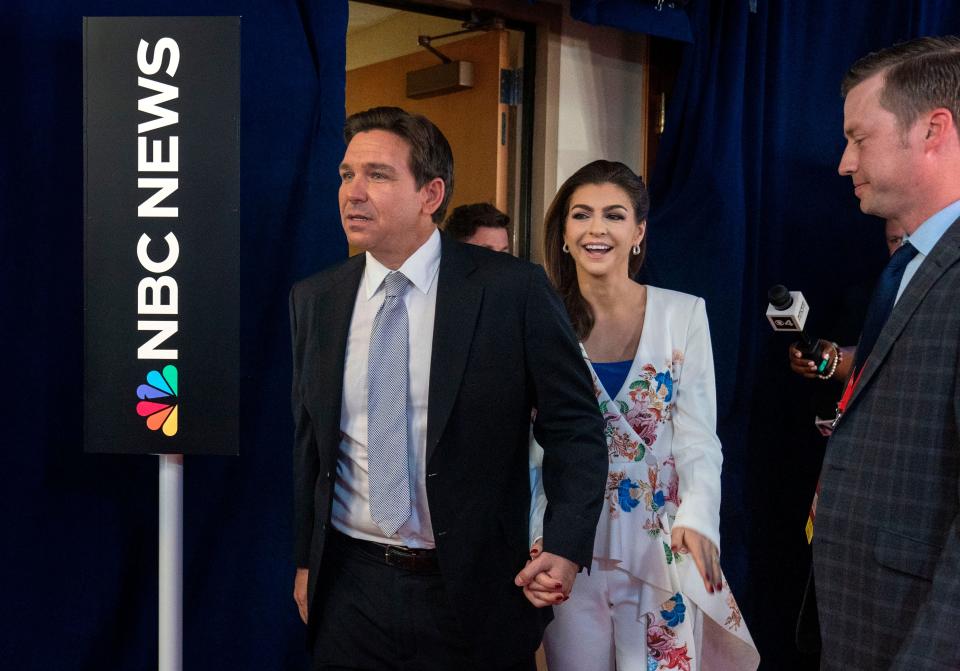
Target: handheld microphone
{"type": "Point", "coordinates": [788, 311]}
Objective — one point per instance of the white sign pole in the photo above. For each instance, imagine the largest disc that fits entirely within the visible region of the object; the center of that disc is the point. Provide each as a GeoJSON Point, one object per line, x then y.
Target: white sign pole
{"type": "Point", "coordinates": [170, 654]}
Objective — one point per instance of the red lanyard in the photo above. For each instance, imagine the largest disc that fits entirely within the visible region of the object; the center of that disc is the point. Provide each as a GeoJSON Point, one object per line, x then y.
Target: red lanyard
{"type": "Point", "coordinates": [851, 385]}
{"type": "Point", "coordinates": [852, 382]}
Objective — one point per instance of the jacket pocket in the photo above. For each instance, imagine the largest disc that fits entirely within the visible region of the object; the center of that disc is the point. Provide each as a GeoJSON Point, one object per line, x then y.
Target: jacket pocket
{"type": "Point", "coordinates": [905, 554]}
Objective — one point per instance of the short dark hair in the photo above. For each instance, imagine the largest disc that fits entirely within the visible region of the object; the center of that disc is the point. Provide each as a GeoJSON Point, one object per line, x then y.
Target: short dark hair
{"type": "Point", "coordinates": [559, 265]}
{"type": "Point", "coordinates": [918, 76]}
{"type": "Point", "coordinates": [464, 221]}
{"type": "Point", "coordinates": [430, 153]}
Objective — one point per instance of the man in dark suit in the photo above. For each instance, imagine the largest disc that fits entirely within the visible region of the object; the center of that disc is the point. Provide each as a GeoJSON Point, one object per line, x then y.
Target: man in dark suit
{"type": "Point", "coordinates": [887, 529]}
{"type": "Point", "coordinates": [416, 368]}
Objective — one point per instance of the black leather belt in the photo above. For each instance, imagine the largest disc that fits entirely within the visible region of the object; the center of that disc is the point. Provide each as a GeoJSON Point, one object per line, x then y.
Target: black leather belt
{"type": "Point", "coordinates": [415, 560]}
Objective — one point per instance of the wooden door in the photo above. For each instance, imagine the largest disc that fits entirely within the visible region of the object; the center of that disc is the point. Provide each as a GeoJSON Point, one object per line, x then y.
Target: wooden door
{"type": "Point", "coordinates": [472, 120]}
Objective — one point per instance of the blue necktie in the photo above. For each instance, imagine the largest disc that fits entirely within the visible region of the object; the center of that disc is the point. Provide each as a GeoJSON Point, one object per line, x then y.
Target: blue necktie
{"type": "Point", "coordinates": [881, 305]}
{"type": "Point", "coordinates": [387, 409]}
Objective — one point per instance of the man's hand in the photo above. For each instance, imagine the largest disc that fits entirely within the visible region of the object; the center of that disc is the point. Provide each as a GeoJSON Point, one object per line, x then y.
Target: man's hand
{"type": "Point", "coordinates": [704, 554]}
{"type": "Point", "coordinates": [547, 579]}
{"type": "Point", "coordinates": [300, 592]}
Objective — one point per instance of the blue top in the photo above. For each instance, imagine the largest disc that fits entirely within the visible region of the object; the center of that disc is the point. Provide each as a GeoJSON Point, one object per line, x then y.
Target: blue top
{"type": "Point", "coordinates": [612, 375]}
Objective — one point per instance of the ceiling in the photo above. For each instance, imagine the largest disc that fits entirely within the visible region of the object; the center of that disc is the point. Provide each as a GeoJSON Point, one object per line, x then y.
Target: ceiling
{"type": "Point", "coordinates": [363, 15]}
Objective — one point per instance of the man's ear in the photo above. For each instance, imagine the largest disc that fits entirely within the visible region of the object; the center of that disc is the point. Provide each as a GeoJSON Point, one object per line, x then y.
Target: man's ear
{"type": "Point", "coordinates": [432, 194]}
{"type": "Point", "coordinates": [940, 123]}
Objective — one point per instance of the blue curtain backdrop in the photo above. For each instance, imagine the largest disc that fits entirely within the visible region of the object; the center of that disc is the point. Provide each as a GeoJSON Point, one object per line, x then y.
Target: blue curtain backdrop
{"type": "Point", "coordinates": [79, 550]}
{"type": "Point", "coordinates": [745, 194]}
{"type": "Point", "coordinates": [641, 16]}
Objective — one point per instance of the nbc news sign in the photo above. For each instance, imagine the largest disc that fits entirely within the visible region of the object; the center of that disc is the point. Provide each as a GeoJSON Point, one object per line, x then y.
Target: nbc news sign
{"type": "Point", "coordinates": [161, 234]}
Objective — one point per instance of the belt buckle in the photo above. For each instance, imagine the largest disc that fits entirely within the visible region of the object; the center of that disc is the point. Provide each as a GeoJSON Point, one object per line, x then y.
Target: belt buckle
{"type": "Point", "coordinates": [401, 557]}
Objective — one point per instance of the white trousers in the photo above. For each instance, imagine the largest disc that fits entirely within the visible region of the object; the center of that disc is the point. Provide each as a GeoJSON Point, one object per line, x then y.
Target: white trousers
{"type": "Point", "coordinates": [603, 626]}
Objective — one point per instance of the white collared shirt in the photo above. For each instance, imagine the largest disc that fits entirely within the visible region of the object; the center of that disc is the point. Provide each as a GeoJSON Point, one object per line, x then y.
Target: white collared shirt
{"type": "Point", "coordinates": [351, 498]}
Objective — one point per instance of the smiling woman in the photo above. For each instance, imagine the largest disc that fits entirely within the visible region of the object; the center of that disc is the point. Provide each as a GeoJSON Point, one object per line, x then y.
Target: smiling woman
{"type": "Point", "coordinates": [651, 599]}
{"type": "Point", "coordinates": [620, 189]}
{"type": "Point", "coordinates": [602, 226]}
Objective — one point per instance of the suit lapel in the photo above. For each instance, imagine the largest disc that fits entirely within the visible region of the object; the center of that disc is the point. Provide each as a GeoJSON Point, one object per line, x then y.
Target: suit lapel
{"type": "Point", "coordinates": [333, 310]}
{"type": "Point", "coordinates": [458, 304]}
{"type": "Point", "coordinates": [943, 255]}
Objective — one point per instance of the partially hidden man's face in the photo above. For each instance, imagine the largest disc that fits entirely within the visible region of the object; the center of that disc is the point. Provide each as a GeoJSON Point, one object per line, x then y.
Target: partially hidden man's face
{"type": "Point", "coordinates": [880, 158]}
{"type": "Point", "coordinates": [381, 208]}
{"type": "Point", "coordinates": [894, 236]}
{"type": "Point", "coordinates": [491, 237]}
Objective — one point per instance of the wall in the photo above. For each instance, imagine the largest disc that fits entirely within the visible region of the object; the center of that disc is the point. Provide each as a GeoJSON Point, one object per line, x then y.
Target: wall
{"type": "Point", "coordinates": [396, 36]}
{"type": "Point", "coordinates": [600, 97]}
{"type": "Point", "coordinates": [589, 103]}
{"type": "Point", "coordinates": [479, 157]}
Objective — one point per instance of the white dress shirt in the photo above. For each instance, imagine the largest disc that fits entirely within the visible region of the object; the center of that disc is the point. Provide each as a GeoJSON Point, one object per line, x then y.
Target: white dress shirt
{"type": "Point", "coordinates": [351, 498]}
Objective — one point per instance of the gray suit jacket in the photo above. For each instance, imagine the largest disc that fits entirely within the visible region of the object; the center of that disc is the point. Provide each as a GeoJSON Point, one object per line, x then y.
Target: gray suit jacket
{"type": "Point", "coordinates": [886, 547]}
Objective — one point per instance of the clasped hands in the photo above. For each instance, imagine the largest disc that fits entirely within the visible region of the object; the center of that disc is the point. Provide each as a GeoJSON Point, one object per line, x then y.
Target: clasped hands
{"type": "Point", "coordinates": [548, 578]}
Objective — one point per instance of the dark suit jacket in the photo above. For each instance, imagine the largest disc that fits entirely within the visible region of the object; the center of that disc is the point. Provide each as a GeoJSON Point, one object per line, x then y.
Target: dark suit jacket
{"type": "Point", "coordinates": [887, 536]}
{"type": "Point", "coordinates": [502, 345]}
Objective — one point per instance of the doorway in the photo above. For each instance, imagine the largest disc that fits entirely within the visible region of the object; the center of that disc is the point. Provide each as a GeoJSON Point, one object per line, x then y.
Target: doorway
{"type": "Point", "coordinates": [485, 122]}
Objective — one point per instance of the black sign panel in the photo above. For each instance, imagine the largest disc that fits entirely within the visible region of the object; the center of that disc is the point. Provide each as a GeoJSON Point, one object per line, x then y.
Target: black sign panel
{"type": "Point", "coordinates": [161, 236]}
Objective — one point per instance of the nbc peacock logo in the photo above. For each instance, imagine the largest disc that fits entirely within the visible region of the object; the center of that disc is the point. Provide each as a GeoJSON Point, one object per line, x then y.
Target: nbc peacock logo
{"type": "Point", "coordinates": [159, 400]}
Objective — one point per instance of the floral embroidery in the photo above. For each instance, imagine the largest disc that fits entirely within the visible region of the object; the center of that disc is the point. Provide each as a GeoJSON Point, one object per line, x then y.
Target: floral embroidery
{"type": "Point", "coordinates": [643, 419]}
{"type": "Point", "coordinates": [654, 499]}
{"type": "Point", "coordinates": [623, 447]}
{"type": "Point", "coordinates": [643, 471]}
{"type": "Point", "coordinates": [664, 385]}
{"type": "Point", "coordinates": [655, 496]}
{"type": "Point", "coordinates": [671, 555]}
{"type": "Point", "coordinates": [664, 647]}
{"type": "Point", "coordinates": [673, 610]}
{"type": "Point", "coordinates": [651, 400]}
{"type": "Point", "coordinates": [735, 619]}
{"type": "Point", "coordinates": [668, 492]}
{"type": "Point", "coordinates": [622, 493]}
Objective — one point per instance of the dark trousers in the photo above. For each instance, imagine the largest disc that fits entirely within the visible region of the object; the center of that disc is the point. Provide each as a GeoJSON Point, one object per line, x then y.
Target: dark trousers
{"type": "Point", "coordinates": [375, 617]}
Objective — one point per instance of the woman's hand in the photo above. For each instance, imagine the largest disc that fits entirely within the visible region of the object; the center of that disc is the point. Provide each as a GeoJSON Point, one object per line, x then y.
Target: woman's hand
{"type": "Point", "coordinates": [807, 367]}
{"type": "Point", "coordinates": [542, 589]}
{"type": "Point", "coordinates": [704, 554]}
{"type": "Point", "coordinates": [547, 579]}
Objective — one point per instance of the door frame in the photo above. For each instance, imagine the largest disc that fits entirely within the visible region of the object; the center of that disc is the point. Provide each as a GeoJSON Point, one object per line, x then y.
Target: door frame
{"type": "Point", "coordinates": [523, 180]}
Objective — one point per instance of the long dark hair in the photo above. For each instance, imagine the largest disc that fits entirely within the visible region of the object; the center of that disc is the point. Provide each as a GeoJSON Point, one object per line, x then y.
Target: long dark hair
{"type": "Point", "coordinates": [559, 265]}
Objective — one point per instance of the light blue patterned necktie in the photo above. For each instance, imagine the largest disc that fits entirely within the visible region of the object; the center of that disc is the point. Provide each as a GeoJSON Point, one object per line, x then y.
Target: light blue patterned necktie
{"type": "Point", "coordinates": [387, 409]}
